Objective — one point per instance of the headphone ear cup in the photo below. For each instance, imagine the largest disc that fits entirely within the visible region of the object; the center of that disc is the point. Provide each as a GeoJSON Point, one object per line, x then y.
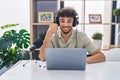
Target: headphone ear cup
{"type": "Point", "coordinates": [75, 22]}
{"type": "Point", "coordinates": [56, 19]}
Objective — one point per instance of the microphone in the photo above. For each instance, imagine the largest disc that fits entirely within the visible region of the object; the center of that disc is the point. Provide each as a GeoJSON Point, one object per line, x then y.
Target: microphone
{"type": "Point", "coordinates": [36, 44]}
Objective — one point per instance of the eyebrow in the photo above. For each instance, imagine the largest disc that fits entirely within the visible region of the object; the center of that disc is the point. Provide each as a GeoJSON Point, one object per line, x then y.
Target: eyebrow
{"type": "Point", "coordinates": [63, 19]}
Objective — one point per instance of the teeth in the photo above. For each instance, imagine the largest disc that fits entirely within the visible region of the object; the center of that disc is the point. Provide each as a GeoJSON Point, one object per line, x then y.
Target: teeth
{"type": "Point", "coordinates": [65, 28]}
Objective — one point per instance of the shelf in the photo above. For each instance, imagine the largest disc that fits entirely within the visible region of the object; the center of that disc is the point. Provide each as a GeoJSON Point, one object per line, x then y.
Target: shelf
{"type": "Point", "coordinates": [115, 23]}
{"type": "Point", "coordinates": [79, 23]}
{"type": "Point", "coordinates": [95, 24]}
{"type": "Point", "coordinates": [36, 6]}
{"type": "Point", "coordinates": [40, 23]}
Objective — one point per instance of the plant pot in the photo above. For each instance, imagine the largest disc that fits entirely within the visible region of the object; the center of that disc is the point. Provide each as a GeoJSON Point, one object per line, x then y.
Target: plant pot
{"type": "Point", "coordinates": [98, 43]}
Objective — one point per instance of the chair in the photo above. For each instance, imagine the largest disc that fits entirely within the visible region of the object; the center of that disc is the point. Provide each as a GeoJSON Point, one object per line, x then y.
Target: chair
{"type": "Point", "coordinates": [113, 54]}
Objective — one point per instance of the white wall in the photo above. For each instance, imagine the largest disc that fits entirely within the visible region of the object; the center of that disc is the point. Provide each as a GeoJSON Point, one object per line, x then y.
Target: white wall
{"type": "Point", "coordinates": [15, 11]}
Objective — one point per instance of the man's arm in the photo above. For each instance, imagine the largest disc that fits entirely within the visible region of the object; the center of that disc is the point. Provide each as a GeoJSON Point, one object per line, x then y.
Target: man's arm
{"type": "Point", "coordinates": [46, 44]}
{"type": "Point", "coordinates": [97, 56]}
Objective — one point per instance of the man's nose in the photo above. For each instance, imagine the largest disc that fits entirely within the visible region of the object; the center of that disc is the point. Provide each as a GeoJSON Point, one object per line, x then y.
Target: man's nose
{"type": "Point", "coordinates": [65, 24]}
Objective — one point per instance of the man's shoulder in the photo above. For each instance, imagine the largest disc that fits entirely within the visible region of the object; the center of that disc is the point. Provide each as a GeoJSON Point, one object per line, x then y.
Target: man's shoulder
{"type": "Point", "coordinates": [81, 33]}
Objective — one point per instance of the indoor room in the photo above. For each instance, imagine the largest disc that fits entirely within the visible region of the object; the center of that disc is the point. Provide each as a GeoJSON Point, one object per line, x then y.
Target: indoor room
{"type": "Point", "coordinates": [28, 35]}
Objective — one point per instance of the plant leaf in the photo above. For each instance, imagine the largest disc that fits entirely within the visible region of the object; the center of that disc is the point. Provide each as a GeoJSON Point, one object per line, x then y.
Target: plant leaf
{"type": "Point", "coordinates": [8, 26]}
{"type": "Point", "coordinates": [23, 39]}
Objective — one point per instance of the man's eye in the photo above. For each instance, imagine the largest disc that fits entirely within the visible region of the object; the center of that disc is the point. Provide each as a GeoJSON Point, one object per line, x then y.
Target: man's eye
{"type": "Point", "coordinates": [69, 21]}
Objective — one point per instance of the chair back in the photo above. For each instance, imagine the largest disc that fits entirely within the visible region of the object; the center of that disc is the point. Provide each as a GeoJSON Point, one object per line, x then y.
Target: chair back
{"type": "Point", "coordinates": [113, 54]}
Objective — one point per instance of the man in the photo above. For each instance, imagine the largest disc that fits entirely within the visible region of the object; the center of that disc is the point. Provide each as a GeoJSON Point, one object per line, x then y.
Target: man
{"type": "Point", "coordinates": [67, 37]}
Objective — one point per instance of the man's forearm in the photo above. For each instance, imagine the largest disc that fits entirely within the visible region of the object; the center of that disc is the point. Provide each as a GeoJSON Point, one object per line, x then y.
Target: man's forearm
{"type": "Point", "coordinates": [96, 58]}
{"type": "Point", "coordinates": [46, 44]}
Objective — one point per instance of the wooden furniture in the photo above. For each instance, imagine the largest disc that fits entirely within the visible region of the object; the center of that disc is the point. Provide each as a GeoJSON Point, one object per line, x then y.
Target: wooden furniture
{"type": "Point", "coordinates": [36, 6]}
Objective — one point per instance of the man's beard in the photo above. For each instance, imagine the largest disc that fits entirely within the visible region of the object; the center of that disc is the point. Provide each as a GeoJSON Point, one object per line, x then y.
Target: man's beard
{"type": "Point", "coordinates": [67, 31]}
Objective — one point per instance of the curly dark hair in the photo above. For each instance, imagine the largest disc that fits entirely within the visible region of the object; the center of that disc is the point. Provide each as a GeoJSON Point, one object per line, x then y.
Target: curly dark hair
{"type": "Point", "coordinates": [67, 12]}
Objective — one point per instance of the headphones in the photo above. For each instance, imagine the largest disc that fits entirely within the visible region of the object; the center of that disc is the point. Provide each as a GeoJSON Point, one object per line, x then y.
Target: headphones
{"type": "Point", "coordinates": [75, 22]}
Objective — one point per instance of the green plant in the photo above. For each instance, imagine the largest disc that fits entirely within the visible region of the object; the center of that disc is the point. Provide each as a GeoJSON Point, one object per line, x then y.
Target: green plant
{"type": "Point", "coordinates": [97, 36]}
{"type": "Point", "coordinates": [12, 44]}
{"type": "Point", "coordinates": [116, 12]}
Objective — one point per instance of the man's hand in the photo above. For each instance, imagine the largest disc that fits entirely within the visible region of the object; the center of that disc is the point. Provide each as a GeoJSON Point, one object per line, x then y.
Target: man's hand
{"type": "Point", "coordinates": [97, 56]}
{"type": "Point", "coordinates": [53, 27]}
{"type": "Point", "coordinates": [46, 44]}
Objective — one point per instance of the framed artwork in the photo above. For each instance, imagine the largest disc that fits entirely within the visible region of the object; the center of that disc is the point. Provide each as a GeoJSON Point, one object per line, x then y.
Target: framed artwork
{"type": "Point", "coordinates": [95, 19]}
{"type": "Point", "coordinates": [45, 17]}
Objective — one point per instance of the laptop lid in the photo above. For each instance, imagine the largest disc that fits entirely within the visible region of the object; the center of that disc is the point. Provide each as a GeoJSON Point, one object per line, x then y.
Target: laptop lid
{"type": "Point", "coordinates": [65, 58]}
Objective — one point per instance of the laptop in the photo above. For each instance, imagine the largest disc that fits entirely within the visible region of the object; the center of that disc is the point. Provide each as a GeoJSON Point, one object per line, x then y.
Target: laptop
{"type": "Point", "coordinates": [66, 58]}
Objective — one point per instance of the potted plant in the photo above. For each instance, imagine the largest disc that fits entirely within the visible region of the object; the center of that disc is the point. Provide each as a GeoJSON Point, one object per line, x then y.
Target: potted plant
{"type": "Point", "coordinates": [97, 37]}
{"type": "Point", "coordinates": [12, 45]}
{"type": "Point", "coordinates": [116, 13]}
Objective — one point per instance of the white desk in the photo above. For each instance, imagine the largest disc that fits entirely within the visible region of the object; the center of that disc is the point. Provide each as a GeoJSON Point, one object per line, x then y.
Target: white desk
{"type": "Point", "coordinates": [32, 71]}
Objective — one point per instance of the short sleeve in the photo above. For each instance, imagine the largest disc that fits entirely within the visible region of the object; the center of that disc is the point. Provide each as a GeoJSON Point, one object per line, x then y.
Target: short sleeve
{"type": "Point", "coordinates": [88, 44]}
{"type": "Point", "coordinates": [52, 42]}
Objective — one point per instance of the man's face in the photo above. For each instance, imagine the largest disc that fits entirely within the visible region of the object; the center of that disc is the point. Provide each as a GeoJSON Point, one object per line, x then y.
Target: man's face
{"type": "Point", "coordinates": [66, 24]}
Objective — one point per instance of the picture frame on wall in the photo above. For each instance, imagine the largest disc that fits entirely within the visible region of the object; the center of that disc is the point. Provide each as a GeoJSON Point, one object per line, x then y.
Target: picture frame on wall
{"type": "Point", "coordinates": [45, 17]}
{"type": "Point", "coordinates": [95, 18]}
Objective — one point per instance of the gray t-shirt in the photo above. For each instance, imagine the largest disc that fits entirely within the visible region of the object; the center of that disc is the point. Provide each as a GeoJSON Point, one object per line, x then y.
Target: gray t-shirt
{"type": "Point", "coordinates": [77, 40]}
